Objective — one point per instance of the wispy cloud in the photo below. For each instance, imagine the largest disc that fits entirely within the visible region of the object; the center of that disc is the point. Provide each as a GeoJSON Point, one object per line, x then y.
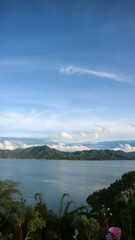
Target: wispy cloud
{"type": "Point", "coordinates": [27, 65]}
{"type": "Point", "coordinates": [70, 70]}
{"type": "Point", "coordinates": [82, 128]}
{"type": "Point", "coordinates": [100, 131]}
{"type": "Point", "coordinates": [85, 135]}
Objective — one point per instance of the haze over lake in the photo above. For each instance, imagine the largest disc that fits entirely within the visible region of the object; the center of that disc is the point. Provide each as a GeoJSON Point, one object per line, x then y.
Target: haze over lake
{"type": "Point", "coordinates": [53, 178]}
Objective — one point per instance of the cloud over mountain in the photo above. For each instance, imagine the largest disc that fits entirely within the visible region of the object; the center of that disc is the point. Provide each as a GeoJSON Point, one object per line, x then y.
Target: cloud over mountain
{"type": "Point", "coordinates": [125, 148]}
{"type": "Point", "coordinates": [66, 148]}
{"type": "Point", "coordinates": [11, 145]}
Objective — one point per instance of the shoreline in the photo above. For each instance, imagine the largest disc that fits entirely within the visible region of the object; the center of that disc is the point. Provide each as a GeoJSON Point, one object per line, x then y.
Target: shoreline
{"type": "Point", "coordinates": [63, 160]}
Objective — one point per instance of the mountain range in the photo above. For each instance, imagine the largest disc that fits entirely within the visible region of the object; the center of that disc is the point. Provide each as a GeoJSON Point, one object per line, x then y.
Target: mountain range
{"type": "Point", "coordinates": [45, 152]}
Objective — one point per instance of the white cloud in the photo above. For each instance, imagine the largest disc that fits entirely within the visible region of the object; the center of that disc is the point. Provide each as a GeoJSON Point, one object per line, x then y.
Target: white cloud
{"type": "Point", "coordinates": [78, 137]}
{"type": "Point", "coordinates": [66, 136]}
{"type": "Point", "coordinates": [11, 145]}
{"type": "Point", "coordinates": [64, 148]}
{"type": "Point", "coordinates": [100, 131]}
{"type": "Point", "coordinates": [69, 70]}
{"type": "Point", "coordinates": [125, 148]}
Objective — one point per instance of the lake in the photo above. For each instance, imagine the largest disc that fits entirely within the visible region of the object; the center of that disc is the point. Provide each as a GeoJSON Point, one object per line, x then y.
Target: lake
{"type": "Point", "coordinates": [53, 178]}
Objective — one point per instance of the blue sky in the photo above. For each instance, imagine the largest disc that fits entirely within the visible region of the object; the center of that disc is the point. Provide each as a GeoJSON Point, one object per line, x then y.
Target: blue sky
{"type": "Point", "coordinates": [67, 69]}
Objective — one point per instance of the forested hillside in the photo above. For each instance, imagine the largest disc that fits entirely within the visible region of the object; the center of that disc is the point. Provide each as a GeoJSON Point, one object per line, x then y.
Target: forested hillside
{"type": "Point", "coordinates": [44, 152]}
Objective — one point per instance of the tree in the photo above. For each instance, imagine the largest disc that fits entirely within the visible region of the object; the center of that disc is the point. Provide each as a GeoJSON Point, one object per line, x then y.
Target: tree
{"type": "Point", "coordinates": [87, 227]}
{"type": "Point", "coordinates": [10, 202]}
{"type": "Point", "coordinates": [127, 214]}
{"type": "Point", "coordinates": [9, 194]}
{"type": "Point", "coordinates": [52, 220]}
{"type": "Point", "coordinates": [34, 220]}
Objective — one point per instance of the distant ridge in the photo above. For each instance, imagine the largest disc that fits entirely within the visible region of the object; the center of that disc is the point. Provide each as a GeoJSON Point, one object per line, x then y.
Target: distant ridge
{"type": "Point", "coordinates": [44, 152]}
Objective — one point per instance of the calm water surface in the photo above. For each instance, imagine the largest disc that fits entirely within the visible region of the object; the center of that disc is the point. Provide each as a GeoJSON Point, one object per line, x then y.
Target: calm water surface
{"type": "Point", "coordinates": [53, 178]}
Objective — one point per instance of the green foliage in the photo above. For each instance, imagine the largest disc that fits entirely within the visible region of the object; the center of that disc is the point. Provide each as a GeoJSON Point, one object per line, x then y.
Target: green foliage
{"type": "Point", "coordinates": [8, 193]}
{"type": "Point", "coordinates": [86, 227]}
{"type": "Point", "coordinates": [11, 204]}
{"type": "Point", "coordinates": [51, 219]}
{"type": "Point", "coordinates": [18, 215]}
{"type": "Point", "coordinates": [34, 220]}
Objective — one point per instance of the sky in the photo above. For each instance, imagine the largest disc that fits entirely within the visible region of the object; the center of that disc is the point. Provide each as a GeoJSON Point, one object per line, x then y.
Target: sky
{"type": "Point", "coordinates": [67, 70]}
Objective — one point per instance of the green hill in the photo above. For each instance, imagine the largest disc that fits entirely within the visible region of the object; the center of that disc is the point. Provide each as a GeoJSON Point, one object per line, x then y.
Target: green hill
{"type": "Point", "coordinates": [44, 152]}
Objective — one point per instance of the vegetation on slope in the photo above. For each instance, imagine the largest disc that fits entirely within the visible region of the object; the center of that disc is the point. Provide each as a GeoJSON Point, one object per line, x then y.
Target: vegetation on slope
{"type": "Point", "coordinates": [119, 200]}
